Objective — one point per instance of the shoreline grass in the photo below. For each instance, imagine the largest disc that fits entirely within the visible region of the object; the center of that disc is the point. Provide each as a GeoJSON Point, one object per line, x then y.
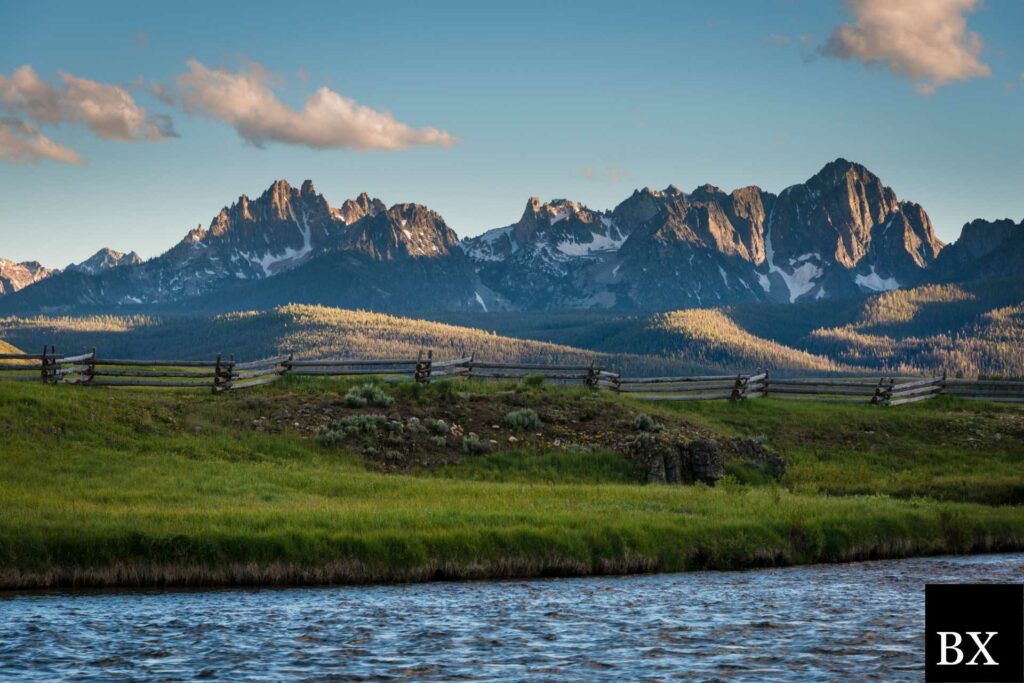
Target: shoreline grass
{"type": "Point", "coordinates": [123, 488]}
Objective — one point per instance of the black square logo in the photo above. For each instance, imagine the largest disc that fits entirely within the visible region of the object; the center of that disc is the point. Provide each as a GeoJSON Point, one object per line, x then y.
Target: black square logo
{"type": "Point", "coordinates": [974, 633]}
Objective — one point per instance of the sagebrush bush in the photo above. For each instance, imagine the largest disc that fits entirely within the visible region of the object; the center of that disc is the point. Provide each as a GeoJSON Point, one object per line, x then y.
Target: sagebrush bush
{"type": "Point", "coordinates": [522, 420]}
{"type": "Point", "coordinates": [645, 423]}
{"type": "Point", "coordinates": [533, 380]}
{"type": "Point", "coordinates": [357, 425]}
{"type": "Point", "coordinates": [437, 427]}
{"type": "Point", "coordinates": [474, 445]}
{"type": "Point", "coordinates": [367, 395]}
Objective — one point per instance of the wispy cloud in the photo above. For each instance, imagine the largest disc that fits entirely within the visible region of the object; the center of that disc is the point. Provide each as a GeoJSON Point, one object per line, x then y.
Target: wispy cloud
{"type": "Point", "coordinates": [108, 110]}
{"type": "Point", "coordinates": [612, 173]}
{"type": "Point", "coordinates": [926, 41]}
{"type": "Point", "coordinates": [328, 120]}
{"type": "Point", "coordinates": [22, 143]}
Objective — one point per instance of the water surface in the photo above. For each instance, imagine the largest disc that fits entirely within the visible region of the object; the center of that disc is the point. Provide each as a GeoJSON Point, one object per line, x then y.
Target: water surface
{"type": "Point", "coordinates": [860, 621]}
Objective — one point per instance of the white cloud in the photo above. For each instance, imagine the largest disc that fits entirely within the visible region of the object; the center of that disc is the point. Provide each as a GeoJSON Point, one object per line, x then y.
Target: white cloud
{"type": "Point", "coordinates": [328, 120]}
{"type": "Point", "coordinates": [109, 111]}
{"type": "Point", "coordinates": [22, 143]}
{"type": "Point", "coordinates": [926, 41]}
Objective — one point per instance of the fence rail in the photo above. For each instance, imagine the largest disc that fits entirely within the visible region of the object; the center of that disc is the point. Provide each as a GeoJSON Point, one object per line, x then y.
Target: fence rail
{"type": "Point", "coordinates": [225, 374]}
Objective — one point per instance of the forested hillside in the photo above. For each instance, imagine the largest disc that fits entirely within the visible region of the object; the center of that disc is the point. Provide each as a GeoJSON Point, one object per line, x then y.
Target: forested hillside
{"type": "Point", "coordinates": [974, 328]}
{"type": "Point", "coordinates": [309, 331]}
{"type": "Point", "coordinates": [969, 329]}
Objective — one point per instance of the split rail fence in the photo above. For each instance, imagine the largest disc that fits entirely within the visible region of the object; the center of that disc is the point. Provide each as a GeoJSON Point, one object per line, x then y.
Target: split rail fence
{"type": "Point", "coordinates": [225, 374]}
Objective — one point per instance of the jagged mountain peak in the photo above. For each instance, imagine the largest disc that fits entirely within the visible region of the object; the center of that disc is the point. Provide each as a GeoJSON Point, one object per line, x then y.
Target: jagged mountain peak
{"type": "Point", "coordinates": [841, 233]}
{"type": "Point", "coordinates": [840, 170]}
{"type": "Point", "coordinates": [196, 234]}
{"type": "Point", "coordinates": [16, 276]}
{"type": "Point", "coordinates": [707, 192]}
{"type": "Point", "coordinates": [556, 209]}
{"type": "Point", "coordinates": [404, 230]}
{"type": "Point", "coordinates": [353, 210]}
{"type": "Point", "coordinates": [105, 259]}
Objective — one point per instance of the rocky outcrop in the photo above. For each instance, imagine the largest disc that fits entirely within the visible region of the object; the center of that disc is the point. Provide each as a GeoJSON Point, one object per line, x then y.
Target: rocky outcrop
{"type": "Point", "coordinates": [17, 276]}
{"type": "Point", "coordinates": [353, 210]}
{"type": "Point", "coordinates": [667, 458]}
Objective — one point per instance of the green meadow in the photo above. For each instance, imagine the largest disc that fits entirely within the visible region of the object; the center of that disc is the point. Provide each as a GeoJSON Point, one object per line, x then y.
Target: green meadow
{"type": "Point", "coordinates": [125, 487]}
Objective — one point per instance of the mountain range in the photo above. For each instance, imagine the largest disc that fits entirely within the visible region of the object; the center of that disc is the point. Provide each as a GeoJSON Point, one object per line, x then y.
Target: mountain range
{"type": "Point", "coordinates": [841, 234]}
{"type": "Point", "coordinates": [17, 276]}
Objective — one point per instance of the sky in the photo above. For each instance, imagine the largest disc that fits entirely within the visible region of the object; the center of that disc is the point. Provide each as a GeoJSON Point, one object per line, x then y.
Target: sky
{"type": "Point", "coordinates": [124, 125]}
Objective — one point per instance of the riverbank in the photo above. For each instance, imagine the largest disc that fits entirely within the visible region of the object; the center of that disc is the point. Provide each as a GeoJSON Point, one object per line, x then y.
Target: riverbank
{"type": "Point", "coordinates": [149, 488]}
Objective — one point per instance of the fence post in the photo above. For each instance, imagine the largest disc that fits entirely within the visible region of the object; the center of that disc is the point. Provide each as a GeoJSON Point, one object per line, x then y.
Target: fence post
{"type": "Point", "coordinates": [424, 367]}
{"type": "Point", "coordinates": [739, 389]}
{"type": "Point", "coordinates": [287, 365]}
{"type": "Point", "coordinates": [886, 394]}
{"type": "Point", "coordinates": [469, 365]}
{"type": "Point", "coordinates": [766, 377]}
{"type": "Point", "coordinates": [216, 376]}
{"type": "Point", "coordinates": [50, 364]}
{"type": "Point", "coordinates": [90, 371]}
{"type": "Point", "coordinates": [942, 384]}
{"type": "Point", "coordinates": [877, 397]}
{"type": "Point", "coordinates": [592, 375]}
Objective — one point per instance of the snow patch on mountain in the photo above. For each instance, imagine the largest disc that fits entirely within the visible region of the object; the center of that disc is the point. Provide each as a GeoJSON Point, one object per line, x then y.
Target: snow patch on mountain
{"type": "Point", "coordinates": [480, 300]}
{"type": "Point", "coordinates": [875, 282]}
{"type": "Point", "coordinates": [600, 243]}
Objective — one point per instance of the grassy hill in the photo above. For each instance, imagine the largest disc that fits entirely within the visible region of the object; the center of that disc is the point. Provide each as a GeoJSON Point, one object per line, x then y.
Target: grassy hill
{"type": "Point", "coordinates": [7, 348]}
{"type": "Point", "coordinates": [711, 338]}
{"type": "Point", "coordinates": [196, 489]}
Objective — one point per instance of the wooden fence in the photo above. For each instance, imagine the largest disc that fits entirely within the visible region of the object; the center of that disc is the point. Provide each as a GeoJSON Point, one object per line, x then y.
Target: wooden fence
{"type": "Point", "coordinates": [888, 391]}
{"type": "Point", "coordinates": [222, 374]}
{"type": "Point", "coordinates": [692, 388]}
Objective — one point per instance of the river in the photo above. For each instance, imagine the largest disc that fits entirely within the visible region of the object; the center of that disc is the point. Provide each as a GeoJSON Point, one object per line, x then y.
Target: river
{"type": "Point", "coordinates": [861, 621]}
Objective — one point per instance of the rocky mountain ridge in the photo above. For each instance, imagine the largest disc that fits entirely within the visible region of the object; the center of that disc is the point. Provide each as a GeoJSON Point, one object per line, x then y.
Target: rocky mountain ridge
{"type": "Point", "coordinates": [842, 233]}
{"type": "Point", "coordinates": [16, 276]}
{"type": "Point", "coordinates": [105, 259]}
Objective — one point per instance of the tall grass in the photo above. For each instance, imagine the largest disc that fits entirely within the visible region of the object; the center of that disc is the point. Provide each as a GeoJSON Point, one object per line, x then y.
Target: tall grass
{"type": "Point", "coordinates": [130, 487]}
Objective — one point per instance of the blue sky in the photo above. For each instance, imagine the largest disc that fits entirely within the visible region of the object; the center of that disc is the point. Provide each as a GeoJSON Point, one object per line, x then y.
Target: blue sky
{"type": "Point", "coordinates": [555, 99]}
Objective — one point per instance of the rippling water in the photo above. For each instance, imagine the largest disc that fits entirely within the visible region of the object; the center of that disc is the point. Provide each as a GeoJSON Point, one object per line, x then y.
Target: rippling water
{"type": "Point", "coordinates": [846, 622]}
